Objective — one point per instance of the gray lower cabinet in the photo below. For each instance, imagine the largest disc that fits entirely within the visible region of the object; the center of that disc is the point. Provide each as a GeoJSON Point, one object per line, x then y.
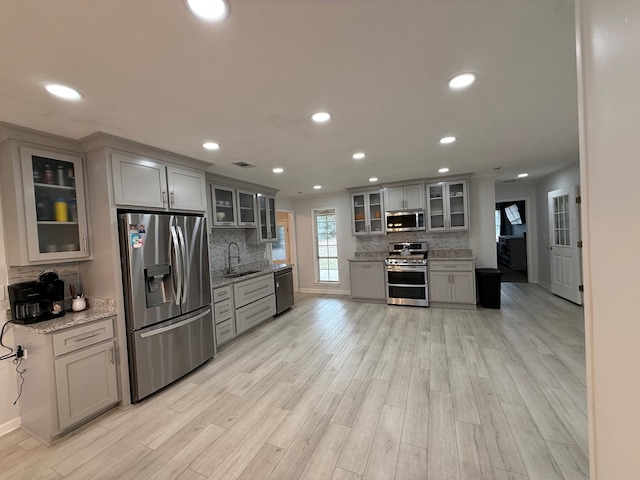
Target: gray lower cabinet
{"type": "Point", "coordinates": [255, 301]}
{"type": "Point", "coordinates": [223, 314]}
{"type": "Point", "coordinates": [452, 283]}
{"type": "Point", "coordinates": [70, 377]}
{"type": "Point", "coordinates": [242, 305]}
{"type": "Point", "coordinates": [368, 280]}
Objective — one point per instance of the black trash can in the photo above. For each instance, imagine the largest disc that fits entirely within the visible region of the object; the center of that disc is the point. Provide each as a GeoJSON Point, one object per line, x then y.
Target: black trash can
{"type": "Point", "coordinates": [488, 281]}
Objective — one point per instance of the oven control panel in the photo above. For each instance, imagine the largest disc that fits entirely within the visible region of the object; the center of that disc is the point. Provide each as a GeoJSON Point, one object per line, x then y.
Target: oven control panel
{"type": "Point", "coordinates": [406, 261]}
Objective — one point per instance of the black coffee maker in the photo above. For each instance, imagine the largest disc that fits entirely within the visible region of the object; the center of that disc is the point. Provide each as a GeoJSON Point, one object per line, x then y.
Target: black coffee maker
{"type": "Point", "coordinates": [39, 300]}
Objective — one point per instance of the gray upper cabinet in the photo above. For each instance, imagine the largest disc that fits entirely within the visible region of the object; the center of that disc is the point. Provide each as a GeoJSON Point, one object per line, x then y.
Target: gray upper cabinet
{"type": "Point", "coordinates": [367, 213]}
{"type": "Point", "coordinates": [448, 206]}
{"type": "Point", "coordinates": [232, 207]}
{"type": "Point", "coordinates": [267, 225]}
{"type": "Point", "coordinates": [43, 196]}
{"type": "Point", "coordinates": [142, 182]}
{"type": "Point", "coordinates": [187, 189]}
{"type": "Point", "coordinates": [408, 197]}
{"type": "Point", "coordinates": [246, 203]}
{"type": "Point", "coordinates": [223, 206]}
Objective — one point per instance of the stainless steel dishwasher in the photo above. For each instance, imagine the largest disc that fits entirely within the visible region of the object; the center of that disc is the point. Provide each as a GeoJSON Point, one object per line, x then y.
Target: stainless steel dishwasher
{"type": "Point", "coordinates": [284, 289]}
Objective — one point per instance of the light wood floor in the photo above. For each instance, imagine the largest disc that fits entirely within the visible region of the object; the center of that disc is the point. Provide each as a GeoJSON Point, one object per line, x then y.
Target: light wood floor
{"type": "Point", "coordinates": [340, 390]}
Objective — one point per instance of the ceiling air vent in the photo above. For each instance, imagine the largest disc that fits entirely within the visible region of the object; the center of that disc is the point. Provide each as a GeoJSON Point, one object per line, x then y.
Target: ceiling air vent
{"type": "Point", "coordinates": [244, 165]}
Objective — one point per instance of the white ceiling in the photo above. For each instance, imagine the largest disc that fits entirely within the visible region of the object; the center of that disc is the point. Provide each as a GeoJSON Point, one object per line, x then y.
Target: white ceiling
{"type": "Point", "coordinates": [152, 72]}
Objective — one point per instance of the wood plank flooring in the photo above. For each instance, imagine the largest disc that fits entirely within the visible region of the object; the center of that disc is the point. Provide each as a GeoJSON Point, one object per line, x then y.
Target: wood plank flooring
{"type": "Point", "coordinates": [346, 391]}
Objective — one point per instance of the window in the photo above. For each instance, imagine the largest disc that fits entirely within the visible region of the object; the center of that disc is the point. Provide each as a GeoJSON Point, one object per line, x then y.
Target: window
{"type": "Point", "coordinates": [326, 245]}
{"type": "Point", "coordinates": [498, 224]}
{"type": "Point", "coordinates": [513, 214]}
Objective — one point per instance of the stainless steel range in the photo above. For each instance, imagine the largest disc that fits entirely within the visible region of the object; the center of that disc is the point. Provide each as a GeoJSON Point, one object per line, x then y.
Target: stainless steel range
{"type": "Point", "coordinates": [407, 274]}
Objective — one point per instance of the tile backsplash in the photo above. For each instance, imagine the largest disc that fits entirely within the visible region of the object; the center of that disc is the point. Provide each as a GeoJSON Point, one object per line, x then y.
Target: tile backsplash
{"type": "Point", "coordinates": [251, 256]}
{"type": "Point", "coordinates": [68, 272]}
{"type": "Point", "coordinates": [435, 241]}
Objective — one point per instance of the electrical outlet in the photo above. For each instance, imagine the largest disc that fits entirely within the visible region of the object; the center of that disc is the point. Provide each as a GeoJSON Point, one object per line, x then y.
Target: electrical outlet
{"type": "Point", "coordinates": [24, 353]}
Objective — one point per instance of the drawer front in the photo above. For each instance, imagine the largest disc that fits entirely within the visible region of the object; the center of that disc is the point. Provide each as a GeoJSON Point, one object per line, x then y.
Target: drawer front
{"type": "Point", "coordinates": [221, 293]}
{"type": "Point", "coordinates": [452, 266]}
{"type": "Point", "coordinates": [223, 310]}
{"type": "Point", "coordinates": [252, 290]}
{"type": "Point", "coordinates": [251, 315]}
{"type": "Point", "coordinates": [74, 339]}
{"type": "Point", "coordinates": [225, 331]}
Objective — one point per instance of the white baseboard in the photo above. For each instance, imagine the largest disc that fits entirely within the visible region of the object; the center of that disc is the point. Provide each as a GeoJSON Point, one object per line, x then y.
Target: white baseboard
{"type": "Point", "coordinates": [544, 285]}
{"type": "Point", "coordinates": [10, 426]}
{"type": "Point", "coordinates": [322, 291]}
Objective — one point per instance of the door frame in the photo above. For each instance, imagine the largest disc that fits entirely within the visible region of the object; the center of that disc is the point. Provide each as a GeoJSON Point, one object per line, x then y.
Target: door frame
{"type": "Point", "coordinates": [292, 243]}
{"type": "Point", "coordinates": [532, 235]}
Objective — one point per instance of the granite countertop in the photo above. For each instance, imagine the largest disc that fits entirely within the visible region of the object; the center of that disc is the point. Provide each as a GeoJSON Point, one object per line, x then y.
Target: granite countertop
{"type": "Point", "coordinates": [369, 256]}
{"type": "Point", "coordinates": [218, 281]}
{"type": "Point", "coordinates": [463, 254]}
{"type": "Point", "coordinates": [97, 310]}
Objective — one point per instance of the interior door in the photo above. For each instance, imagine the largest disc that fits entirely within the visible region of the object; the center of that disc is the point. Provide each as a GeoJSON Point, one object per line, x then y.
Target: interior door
{"type": "Point", "coordinates": [281, 250]}
{"type": "Point", "coordinates": [564, 234]}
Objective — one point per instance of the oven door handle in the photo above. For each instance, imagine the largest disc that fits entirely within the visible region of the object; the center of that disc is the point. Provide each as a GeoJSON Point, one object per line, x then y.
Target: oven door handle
{"type": "Point", "coordinates": [417, 268]}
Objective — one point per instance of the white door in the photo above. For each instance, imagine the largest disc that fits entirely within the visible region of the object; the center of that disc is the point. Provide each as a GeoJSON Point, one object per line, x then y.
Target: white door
{"type": "Point", "coordinates": [564, 234]}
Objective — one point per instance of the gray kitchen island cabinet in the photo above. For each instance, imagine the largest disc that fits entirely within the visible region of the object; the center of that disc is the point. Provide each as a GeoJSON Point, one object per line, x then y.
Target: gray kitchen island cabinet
{"type": "Point", "coordinates": [368, 281]}
{"type": "Point", "coordinates": [70, 377]}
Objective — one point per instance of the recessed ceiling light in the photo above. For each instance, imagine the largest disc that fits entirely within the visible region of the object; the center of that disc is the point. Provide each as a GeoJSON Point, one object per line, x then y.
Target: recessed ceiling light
{"type": "Point", "coordinates": [373, 179]}
{"type": "Point", "coordinates": [317, 187]}
{"type": "Point", "coordinates": [278, 170]}
{"type": "Point", "coordinates": [443, 170]}
{"type": "Point", "coordinates": [522, 175]}
{"type": "Point", "coordinates": [62, 91]}
{"type": "Point", "coordinates": [462, 81]}
{"type": "Point", "coordinates": [321, 117]}
{"type": "Point", "coordinates": [211, 145]}
{"type": "Point", "coordinates": [210, 10]}
{"type": "Point", "coordinates": [358, 156]}
{"type": "Point", "coordinates": [445, 140]}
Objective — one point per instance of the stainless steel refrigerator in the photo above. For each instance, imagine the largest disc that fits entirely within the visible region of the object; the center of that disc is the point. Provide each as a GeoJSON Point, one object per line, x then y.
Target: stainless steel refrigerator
{"type": "Point", "coordinates": [166, 277]}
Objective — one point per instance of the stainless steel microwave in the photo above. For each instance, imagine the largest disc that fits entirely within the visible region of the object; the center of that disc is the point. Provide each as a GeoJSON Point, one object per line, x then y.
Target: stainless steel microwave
{"type": "Point", "coordinates": [405, 221]}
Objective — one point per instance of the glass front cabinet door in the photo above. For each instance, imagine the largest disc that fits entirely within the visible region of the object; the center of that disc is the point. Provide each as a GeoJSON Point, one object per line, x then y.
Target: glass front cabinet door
{"type": "Point", "coordinates": [367, 213]}
{"type": "Point", "coordinates": [447, 206]}
{"type": "Point", "coordinates": [56, 220]}
{"type": "Point", "coordinates": [223, 200]}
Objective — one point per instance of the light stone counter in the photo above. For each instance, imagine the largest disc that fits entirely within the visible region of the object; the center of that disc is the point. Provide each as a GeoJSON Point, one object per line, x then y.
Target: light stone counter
{"type": "Point", "coordinates": [218, 280]}
{"type": "Point", "coordinates": [98, 308]}
{"type": "Point", "coordinates": [369, 256]}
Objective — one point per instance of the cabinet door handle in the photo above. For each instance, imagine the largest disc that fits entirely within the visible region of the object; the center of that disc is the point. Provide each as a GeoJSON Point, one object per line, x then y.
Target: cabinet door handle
{"type": "Point", "coordinates": [80, 338]}
{"type": "Point", "coordinates": [164, 198]}
{"type": "Point", "coordinates": [255, 314]}
{"type": "Point", "coordinates": [173, 201]}
{"type": "Point", "coordinates": [86, 245]}
{"type": "Point", "coordinates": [112, 356]}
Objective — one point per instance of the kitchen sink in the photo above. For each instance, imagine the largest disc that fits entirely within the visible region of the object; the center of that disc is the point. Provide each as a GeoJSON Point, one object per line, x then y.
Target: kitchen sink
{"type": "Point", "coordinates": [241, 274]}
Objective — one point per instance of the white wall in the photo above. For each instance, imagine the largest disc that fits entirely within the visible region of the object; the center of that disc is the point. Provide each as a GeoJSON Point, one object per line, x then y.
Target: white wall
{"type": "Point", "coordinates": [304, 241]}
{"type": "Point", "coordinates": [524, 190]}
{"type": "Point", "coordinates": [564, 177]}
{"type": "Point", "coordinates": [482, 236]}
{"type": "Point", "coordinates": [284, 203]}
{"type": "Point", "coordinates": [9, 414]}
{"type": "Point", "coordinates": [609, 112]}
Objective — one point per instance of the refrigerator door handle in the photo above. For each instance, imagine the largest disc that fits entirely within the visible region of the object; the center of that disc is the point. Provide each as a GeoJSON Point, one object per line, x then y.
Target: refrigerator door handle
{"type": "Point", "coordinates": [177, 272]}
{"type": "Point", "coordinates": [158, 331]}
{"type": "Point", "coordinates": [185, 267]}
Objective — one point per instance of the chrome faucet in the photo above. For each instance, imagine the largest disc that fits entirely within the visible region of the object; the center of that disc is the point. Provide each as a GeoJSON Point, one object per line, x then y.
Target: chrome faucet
{"type": "Point", "coordinates": [229, 269]}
